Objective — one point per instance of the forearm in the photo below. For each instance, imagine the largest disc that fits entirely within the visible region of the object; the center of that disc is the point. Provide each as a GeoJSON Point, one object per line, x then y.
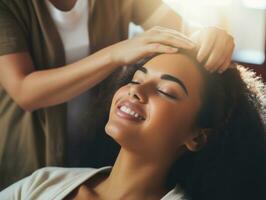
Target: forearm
{"type": "Point", "coordinates": [50, 87]}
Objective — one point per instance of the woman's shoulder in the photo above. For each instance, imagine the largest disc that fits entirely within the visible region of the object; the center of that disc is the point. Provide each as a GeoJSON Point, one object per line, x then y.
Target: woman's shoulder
{"type": "Point", "coordinates": [49, 183]}
{"type": "Point", "coordinates": [49, 172]}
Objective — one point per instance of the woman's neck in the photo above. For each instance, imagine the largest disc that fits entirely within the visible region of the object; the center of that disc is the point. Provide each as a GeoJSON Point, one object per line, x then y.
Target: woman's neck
{"type": "Point", "coordinates": [134, 177]}
{"type": "Point", "coordinates": [64, 5]}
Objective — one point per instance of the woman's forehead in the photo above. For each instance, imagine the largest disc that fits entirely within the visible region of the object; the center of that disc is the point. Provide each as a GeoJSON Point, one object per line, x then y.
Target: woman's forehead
{"type": "Point", "coordinates": [173, 64]}
{"type": "Point", "coordinates": [179, 66]}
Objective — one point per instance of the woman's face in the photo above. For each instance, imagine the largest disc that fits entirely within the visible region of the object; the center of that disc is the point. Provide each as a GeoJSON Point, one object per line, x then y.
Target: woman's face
{"type": "Point", "coordinates": [155, 114]}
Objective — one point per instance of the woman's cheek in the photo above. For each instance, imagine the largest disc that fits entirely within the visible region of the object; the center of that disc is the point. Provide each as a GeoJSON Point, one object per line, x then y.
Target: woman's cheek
{"type": "Point", "coordinates": [120, 93]}
{"type": "Point", "coordinates": [161, 116]}
{"type": "Point", "coordinates": [165, 112]}
{"type": "Point", "coordinates": [171, 118]}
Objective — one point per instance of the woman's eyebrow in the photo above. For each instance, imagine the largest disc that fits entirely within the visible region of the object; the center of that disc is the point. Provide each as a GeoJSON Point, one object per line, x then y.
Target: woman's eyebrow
{"type": "Point", "coordinates": [168, 78]}
{"type": "Point", "coordinates": [174, 79]}
{"type": "Point", "coordinates": [143, 69]}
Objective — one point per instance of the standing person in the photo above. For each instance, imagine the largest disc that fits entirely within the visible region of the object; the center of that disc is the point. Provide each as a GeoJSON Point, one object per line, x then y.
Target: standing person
{"type": "Point", "coordinates": [53, 51]}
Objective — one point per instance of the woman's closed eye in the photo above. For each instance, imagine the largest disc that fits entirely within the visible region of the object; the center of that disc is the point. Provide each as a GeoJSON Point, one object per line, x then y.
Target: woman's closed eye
{"type": "Point", "coordinates": [134, 82]}
{"type": "Point", "coordinates": [160, 91]}
{"type": "Point", "coordinates": [172, 96]}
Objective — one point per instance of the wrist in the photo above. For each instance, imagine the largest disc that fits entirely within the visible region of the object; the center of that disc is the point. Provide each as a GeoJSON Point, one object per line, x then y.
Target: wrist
{"type": "Point", "coordinates": [107, 56]}
{"type": "Point", "coordinates": [112, 57]}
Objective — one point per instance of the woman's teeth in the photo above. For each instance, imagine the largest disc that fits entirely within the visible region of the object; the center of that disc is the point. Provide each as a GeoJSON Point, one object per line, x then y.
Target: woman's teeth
{"type": "Point", "coordinates": [131, 112]}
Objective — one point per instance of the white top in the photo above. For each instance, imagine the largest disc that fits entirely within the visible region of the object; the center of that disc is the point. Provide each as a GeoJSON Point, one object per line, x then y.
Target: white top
{"type": "Point", "coordinates": [72, 27]}
{"type": "Point", "coordinates": [52, 183]}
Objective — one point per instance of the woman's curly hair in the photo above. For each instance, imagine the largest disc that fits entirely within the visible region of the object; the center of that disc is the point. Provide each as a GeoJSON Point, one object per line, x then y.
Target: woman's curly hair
{"type": "Point", "coordinates": [232, 165]}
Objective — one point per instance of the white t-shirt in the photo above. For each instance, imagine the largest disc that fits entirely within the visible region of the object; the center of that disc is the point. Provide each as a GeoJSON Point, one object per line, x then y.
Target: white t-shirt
{"type": "Point", "coordinates": [52, 183]}
{"type": "Point", "coordinates": [72, 27]}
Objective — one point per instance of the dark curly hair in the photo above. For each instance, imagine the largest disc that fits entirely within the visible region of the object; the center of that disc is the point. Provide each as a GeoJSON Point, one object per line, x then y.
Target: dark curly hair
{"type": "Point", "coordinates": [232, 164]}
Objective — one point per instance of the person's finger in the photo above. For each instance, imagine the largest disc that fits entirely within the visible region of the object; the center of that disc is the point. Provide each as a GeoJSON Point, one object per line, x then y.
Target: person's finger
{"type": "Point", "coordinates": [218, 53]}
{"type": "Point", "coordinates": [219, 63]}
{"type": "Point", "coordinates": [226, 64]}
{"type": "Point", "coordinates": [206, 45]}
{"type": "Point", "coordinates": [169, 38]}
{"type": "Point", "coordinates": [159, 48]}
{"type": "Point", "coordinates": [226, 51]}
{"type": "Point", "coordinates": [182, 38]}
{"type": "Point", "coordinates": [177, 34]}
{"type": "Point", "coordinates": [232, 65]}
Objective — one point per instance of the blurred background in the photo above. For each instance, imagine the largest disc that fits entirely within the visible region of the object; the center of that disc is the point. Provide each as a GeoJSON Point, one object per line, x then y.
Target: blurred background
{"type": "Point", "coordinates": [244, 19]}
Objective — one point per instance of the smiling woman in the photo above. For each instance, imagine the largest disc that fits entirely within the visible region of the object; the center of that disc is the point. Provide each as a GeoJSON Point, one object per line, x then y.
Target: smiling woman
{"type": "Point", "coordinates": [169, 103]}
{"type": "Point", "coordinates": [180, 139]}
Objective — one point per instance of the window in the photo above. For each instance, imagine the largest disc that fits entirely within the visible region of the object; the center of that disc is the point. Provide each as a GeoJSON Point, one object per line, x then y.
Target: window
{"type": "Point", "coordinates": [244, 19]}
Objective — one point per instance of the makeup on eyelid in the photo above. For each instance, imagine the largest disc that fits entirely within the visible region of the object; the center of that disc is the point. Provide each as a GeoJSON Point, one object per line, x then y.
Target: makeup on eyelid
{"type": "Point", "coordinates": [166, 77]}
{"type": "Point", "coordinates": [165, 90]}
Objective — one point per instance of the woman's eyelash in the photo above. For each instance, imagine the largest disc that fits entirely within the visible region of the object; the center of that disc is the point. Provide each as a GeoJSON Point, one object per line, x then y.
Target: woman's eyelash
{"type": "Point", "coordinates": [160, 91]}
{"type": "Point", "coordinates": [134, 82]}
{"type": "Point", "coordinates": [166, 94]}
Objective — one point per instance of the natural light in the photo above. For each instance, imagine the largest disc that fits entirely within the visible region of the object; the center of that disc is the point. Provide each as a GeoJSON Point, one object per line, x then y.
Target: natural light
{"type": "Point", "coordinates": [244, 19]}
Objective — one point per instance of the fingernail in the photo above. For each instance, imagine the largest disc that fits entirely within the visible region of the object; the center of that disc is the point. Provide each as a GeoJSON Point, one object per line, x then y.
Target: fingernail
{"type": "Point", "coordinates": [174, 49]}
{"type": "Point", "coordinates": [199, 58]}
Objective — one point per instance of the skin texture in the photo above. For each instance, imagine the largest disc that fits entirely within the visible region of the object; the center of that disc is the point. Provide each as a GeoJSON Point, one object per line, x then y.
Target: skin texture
{"type": "Point", "coordinates": [149, 147]}
{"type": "Point", "coordinates": [33, 90]}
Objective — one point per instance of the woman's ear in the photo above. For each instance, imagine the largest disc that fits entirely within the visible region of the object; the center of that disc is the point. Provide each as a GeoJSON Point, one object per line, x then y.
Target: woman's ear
{"type": "Point", "coordinates": [198, 140]}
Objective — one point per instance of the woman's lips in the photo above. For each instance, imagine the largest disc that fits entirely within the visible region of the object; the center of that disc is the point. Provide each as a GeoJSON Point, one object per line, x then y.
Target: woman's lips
{"type": "Point", "coordinates": [131, 111]}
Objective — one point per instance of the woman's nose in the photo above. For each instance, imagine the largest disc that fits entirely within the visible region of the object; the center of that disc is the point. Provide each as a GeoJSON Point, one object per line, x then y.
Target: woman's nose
{"type": "Point", "coordinates": [137, 92]}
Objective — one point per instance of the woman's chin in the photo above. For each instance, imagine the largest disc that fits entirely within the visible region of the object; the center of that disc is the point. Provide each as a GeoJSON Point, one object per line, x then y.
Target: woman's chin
{"type": "Point", "coordinates": [114, 132]}
{"type": "Point", "coordinates": [111, 130]}
{"type": "Point", "coordinates": [121, 134]}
